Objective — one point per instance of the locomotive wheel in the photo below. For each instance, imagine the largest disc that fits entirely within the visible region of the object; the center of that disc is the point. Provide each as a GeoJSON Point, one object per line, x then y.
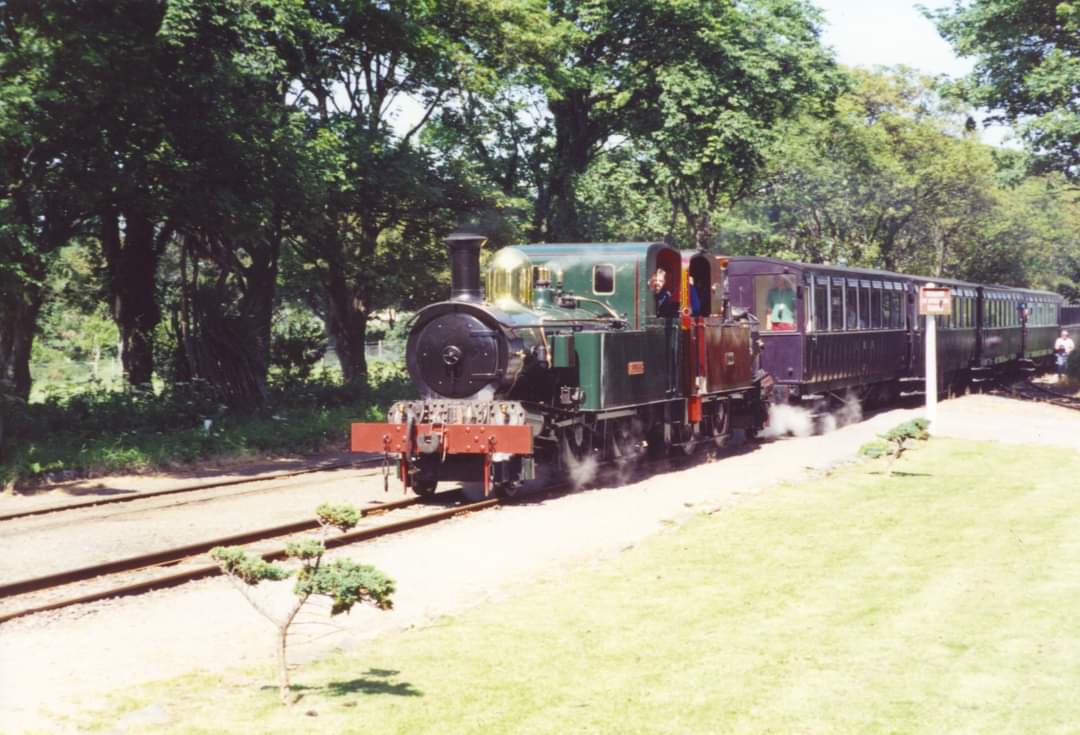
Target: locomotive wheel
{"type": "Point", "coordinates": [721, 432]}
{"type": "Point", "coordinates": [425, 486]}
{"type": "Point", "coordinates": [507, 490]}
{"type": "Point", "coordinates": [572, 443]}
{"type": "Point", "coordinates": [657, 447]}
{"type": "Point", "coordinates": [423, 481]}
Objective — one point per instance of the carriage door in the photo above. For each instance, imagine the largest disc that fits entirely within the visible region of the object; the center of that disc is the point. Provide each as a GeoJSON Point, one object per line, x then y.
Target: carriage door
{"type": "Point", "coordinates": [1023, 312]}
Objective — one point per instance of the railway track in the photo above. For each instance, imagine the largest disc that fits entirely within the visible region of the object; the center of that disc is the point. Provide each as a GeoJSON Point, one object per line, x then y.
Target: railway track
{"type": "Point", "coordinates": [1030, 391]}
{"type": "Point", "coordinates": [192, 556]}
{"type": "Point", "coordinates": [197, 568]}
{"type": "Point", "coordinates": [189, 556]}
{"type": "Point", "coordinates": [96, 502]}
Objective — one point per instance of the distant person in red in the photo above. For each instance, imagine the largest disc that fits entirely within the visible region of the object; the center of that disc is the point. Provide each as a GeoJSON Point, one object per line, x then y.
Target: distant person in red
{"type": "Point", "coordinates": [1063, 347]}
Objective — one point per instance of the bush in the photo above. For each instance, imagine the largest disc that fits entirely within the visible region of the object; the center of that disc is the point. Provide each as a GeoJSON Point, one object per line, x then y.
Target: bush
{"type": "Point", "coordinates": [102, 430]}
{"type": "Point", "coordinates": [345, 582]}
{"type": "Point", "coordinates": [916, 429]}
{"type": "Point", "coordinates": [874, 449]}
{"type": "Point", "coordinates": [297, 348]}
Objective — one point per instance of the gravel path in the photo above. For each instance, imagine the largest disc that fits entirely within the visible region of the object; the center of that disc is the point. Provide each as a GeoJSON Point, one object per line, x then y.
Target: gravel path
{"type": "Point", "coordinates": [84, 652]}
{"type": "Point", "coordinates": [50, 543]}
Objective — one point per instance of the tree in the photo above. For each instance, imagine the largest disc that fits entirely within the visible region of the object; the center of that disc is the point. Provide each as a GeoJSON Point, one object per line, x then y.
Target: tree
{"type": "Point", "coordinates": [345, 582]}
{"type": "Point", "coordinates": [746, 69]}
{"type": "Point", "coordinates": [379, 198]}
{"type": "Point", "coordinates": [240, 190]}
{"type": "Point", "coordinates": [160, 117]}
{"type": "Point", "coordinates": [41, 203]}
{"type": "Point", "coordinates": [891, 180]}
{"type": "Point", "coordinates": [1027, 70]}
{"type": "Point", "coordinates": [701, 82]}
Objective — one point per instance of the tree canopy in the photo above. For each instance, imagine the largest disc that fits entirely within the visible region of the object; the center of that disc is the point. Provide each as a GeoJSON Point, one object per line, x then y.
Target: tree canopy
{"type": "Point", "coordinates": [200, 187]}
{"type": "Point", "coordinates": [1027, 70]}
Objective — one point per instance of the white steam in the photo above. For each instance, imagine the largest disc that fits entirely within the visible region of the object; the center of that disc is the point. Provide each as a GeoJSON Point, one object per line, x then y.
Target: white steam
{"type": "Point", "coordinates": [580, 471]}
{"type": "Point", "coordinates": [850, 412]}
{"type": "Point", "coordinates": [788, 420]}
{"type": "Point", "coordinates": [785, 420]}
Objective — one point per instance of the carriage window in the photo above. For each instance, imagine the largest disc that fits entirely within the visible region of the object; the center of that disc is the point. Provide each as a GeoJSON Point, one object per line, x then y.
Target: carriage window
{"type": "Point", "coordinates": [775, 297]}
{"type": "Point", "coordinates": [887, 309]}
{"type": "Point", "coordinates": [875, 308]}
{"type": "Point", "coordinates": [864, 306]}
{"type": "Point", "coordinates": [836, 300]}
{"type": "Point", "coordinates": [851, 305]}
{"type": "Point", "coordinates": [603, 279]}
{"type": "Point", "coordinates": [821, 306]}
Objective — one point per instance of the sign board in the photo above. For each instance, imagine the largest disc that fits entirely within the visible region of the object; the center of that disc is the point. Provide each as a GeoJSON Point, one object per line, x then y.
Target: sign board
{"type": "Point", "coordinates": [935, 302]}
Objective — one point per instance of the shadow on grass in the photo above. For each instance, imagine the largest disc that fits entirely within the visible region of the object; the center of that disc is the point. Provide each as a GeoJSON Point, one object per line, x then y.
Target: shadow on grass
{"type": "Point", "coordinates": [372, 681]}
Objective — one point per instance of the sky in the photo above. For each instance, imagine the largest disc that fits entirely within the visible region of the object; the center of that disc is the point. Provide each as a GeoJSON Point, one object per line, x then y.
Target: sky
{"type": "Point", "coordinates": [890, 32]}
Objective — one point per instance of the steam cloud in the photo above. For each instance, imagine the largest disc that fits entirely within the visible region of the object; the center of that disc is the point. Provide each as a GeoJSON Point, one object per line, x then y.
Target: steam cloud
{"type": "Point", "coordinates": [788, 420]}
{"type": "Point", "coordinates": [581, 472]}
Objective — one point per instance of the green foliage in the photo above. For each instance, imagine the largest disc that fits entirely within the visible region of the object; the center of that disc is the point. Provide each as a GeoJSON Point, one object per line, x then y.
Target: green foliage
{"type": "Point", "coordinates": [342, 517]}
{"type": "Point", "coordinates": [874, 449]}
{"type": "Point", "coordinates": [296, 348]}
{"type": "Point", "coordinates": [108, 431]}
{"type": "Point", "coordinates": [717, 119]}
{"type": "Point", "coordinates": [250, 570]}
{"type": "Point", "coordinates": [307, 550]}
{"type": "Point", "coordinates": [347, 583]}
{"type": "Point", "coordinates": [915, 430]}
{"type": "Point", "coordinates": [1027, 69]}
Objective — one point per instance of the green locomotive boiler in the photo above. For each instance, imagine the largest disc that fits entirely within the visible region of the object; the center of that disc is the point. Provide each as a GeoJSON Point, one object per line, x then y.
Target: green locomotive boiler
{"type": "Point", "coordinates": [571, 351]}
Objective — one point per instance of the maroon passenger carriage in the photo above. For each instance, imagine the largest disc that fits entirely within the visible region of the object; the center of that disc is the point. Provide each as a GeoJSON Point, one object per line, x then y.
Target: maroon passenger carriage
{"type": "Point", "coordinates": [829, 331]}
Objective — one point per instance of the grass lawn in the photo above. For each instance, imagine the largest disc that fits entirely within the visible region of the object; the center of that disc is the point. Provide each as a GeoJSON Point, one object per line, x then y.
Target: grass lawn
{"type": "Point", "coordinates": [942, 598]}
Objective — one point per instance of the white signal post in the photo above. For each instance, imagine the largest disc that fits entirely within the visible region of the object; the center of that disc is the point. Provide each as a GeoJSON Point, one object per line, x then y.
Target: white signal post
{"type": "Point", "coordinates": [933, 302]}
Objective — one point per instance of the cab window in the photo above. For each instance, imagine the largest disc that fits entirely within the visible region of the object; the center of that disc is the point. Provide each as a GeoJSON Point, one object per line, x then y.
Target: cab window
{"type": "Point", "coordinates": [603, 279]}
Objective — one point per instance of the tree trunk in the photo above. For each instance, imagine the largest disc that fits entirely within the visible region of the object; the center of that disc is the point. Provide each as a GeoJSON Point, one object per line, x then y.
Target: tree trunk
{"type": "Point", "coordinates": [131, 262]}
{"type": "Point", "coordinates": [575, 139]}
{"type": "Point", "coordinates": [257, 306]}
{"type": "Point", "coordinates": [226, 336]}
{"type": "Point", "coordinates": [347, 322]}
{"type": "Point", "coordinates": [20, 305]}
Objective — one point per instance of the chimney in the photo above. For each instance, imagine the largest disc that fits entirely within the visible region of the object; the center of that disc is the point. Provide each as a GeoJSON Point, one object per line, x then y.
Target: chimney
{"type": "Point", "coordinates": [464, 244]}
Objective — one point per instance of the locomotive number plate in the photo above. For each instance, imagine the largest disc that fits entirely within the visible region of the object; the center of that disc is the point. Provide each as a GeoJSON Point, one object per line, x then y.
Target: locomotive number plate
{"type": "Point", "coordinates": [635, 368]}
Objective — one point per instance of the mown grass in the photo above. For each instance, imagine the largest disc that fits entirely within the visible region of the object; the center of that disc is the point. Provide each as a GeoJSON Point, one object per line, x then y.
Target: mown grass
{"type": "Point", "coordinates": [95, 432]}
{"type": "Point", "coordinates": [938, 597]}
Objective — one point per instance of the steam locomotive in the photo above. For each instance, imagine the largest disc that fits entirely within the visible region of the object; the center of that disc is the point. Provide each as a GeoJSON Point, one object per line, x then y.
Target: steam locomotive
{"type": "Point", "coordinates": [571, 351]}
